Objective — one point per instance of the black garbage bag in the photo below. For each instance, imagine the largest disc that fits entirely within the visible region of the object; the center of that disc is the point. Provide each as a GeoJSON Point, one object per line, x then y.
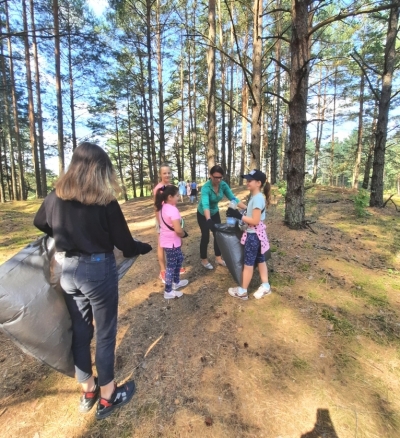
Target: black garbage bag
{"type": "Point", "coordinates": [33, 312]}
{"type": "Point", "coordinates": [228, 239]}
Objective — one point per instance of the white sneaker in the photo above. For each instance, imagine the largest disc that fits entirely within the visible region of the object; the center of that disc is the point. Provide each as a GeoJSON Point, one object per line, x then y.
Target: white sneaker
{"type": "Point", "coordinates": [172, 294]}
{"type": "Point", "coordinates": [234, 292]}
{"type": "Point", "coordinates": [182, 283]}
{"type": "Point", "coordinates": [261, 292]}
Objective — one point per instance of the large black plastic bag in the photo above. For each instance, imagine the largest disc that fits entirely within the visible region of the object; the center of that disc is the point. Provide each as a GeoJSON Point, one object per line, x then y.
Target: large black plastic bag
{"type": "Point", "coordinates": [32, 308]}
{"type": "Point", "coordinates": [228, 239]}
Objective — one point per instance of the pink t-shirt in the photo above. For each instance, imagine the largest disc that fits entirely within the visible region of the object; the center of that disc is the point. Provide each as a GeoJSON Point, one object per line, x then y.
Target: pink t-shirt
{"type": "Point", "coordinates": [168, 238]}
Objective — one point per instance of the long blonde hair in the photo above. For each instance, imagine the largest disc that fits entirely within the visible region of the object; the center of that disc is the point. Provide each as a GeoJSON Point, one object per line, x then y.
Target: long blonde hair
{"type": "Point", "coordinates": [90, 178]}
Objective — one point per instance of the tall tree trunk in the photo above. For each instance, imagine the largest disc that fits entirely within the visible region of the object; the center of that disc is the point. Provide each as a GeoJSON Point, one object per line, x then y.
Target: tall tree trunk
{"type": "Point", "coordinates": [119, 161]}
{"type": "Point", "coordinates": [21, 179]}
{"type": "Point", "coordinates": [256, 86]}
{"type": "Point", "coordinates": [71, 82]}
{"type": "Point", "coordinates": [153, 177]}
{"type": "Point", "coordinates": [160, 85]}
{"type": "Point", "coordinates": [356, 171]}
{"type": "Point", "coordinates": [31, 109]}
{"type": "Point", "coordinates": [231, 146]}
{"type": "Point", "coordinates": [368, 162]}
{"type": "Point", "coordinates": [245, 111]}
{"type": "Point", "coordinates": [284, 149]}
{"type": "Point", "coordinates": [222, 85]}
{"type": "Point", "coordinates": [2, 151]}
{"type": "Point", "coordinates": [299, 75]}
{"type": "Point", "coordinates": [39, 117]}
{"type": "Point", "coordinates": [332, 151]}
{"type": "Point", "coordinates": [320, 127]}
{"type": "Point", "coordinates": [57, 56]}
{"type": "Point", "coordinates": [181, 167]}
{"type": "Point", "coordinates": [277, 90]}
{"type": "Point", "coordinates": [376, 199]}
{"type": "Point", "coordinates": [130, 146]}
{"type": "Point", "coordinates": [211, 117]}
{"type": "Point", "coordinates": [150, 82]}
{"type": "Point", "coordinates": [13, 190]}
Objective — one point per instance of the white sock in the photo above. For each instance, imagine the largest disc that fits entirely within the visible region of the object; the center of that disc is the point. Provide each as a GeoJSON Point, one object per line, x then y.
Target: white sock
{"type": "Point", "coordinates": [266, 285]}
{"type": "Point", "coordinates": [242, 291]}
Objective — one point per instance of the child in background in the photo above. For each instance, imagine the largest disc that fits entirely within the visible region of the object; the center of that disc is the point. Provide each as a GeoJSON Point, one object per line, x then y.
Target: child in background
{"type": "Point", "coordinates": [165, 176]}
{"type": "Point", "coordinates": [171, 234]}
{"type": "Point", "coordinates": [255, 238]}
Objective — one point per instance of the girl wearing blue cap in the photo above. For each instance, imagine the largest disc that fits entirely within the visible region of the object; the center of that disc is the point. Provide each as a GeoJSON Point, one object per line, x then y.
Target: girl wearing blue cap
{"type": "Point", "coordinates": [254, 238]}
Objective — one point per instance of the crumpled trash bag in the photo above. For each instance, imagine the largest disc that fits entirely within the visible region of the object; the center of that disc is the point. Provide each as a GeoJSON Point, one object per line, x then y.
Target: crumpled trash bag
{"type": "Point", "coordinates": [228, 239]}
{"type": "Point", "coordinates": [33, 312]}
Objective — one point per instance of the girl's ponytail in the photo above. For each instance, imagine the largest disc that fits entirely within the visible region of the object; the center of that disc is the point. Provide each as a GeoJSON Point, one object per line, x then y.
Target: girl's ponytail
{"type": "Point", "coordinates": [267, 192]}
{"type": "Point", "coordinates": [162, 195]}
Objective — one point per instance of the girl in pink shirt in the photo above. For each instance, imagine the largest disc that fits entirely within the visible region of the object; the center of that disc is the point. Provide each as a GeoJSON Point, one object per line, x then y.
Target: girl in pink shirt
{"type": "Point", "coordinates": [165, 176]}
{"type": "Point", "coordinates": [171, 234]}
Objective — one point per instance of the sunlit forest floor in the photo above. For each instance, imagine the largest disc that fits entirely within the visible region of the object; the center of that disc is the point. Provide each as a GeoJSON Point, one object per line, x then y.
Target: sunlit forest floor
{"type": "Point", "coordinates": [319, 357]}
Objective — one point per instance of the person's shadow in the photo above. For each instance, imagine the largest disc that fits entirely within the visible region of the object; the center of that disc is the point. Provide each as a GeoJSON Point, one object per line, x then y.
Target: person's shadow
{"type": "Point", "coordinates": [323, 427]}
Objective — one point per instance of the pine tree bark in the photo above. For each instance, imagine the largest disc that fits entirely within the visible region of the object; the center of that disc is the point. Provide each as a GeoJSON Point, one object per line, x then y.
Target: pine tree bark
{"type": "Point", "coordinates": [320, 127]}
{"type": "Point", "coordinates": [376, 199]}
{"type": "Point", "coordinates": [150, 88]}
{"type": "Point", "coordinates": [332, 150]}
{"type": "Point", "coordinates": [223, 93]}
{"type": "Point", "coordinates": [119, 161]}
{"type": "Point", "coordinates": [356, 171]}
{"type": "Point", "coordinates": [13, 188]}
{"type": "Point", "coordinates": [256, 86]}
{"type": "Point", "coordinates": [277, 90]}
{"type": "Point", "coordinates": [368, 162]}
{"type": "Point", "coordinates": [39, 116]}
{"type": "Point", "coordinates": [21, 195]}
{"type": "Point", "coordinates": [31, 109]}
{"type": "Point", "coordinates": [71, 81]}
{"type": "Point", "coordinates": [299, 75]}
{"type": "Point", "coordinates": [211, 117]}
{"type": "Point", "coordinates": [160, 86]}
{"type": "Point", "coordinates": [57, 57]}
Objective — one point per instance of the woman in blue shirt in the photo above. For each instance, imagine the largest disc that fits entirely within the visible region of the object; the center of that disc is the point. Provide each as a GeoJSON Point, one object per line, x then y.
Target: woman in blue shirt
{"type": "Point", "coordinates": [208, 213]}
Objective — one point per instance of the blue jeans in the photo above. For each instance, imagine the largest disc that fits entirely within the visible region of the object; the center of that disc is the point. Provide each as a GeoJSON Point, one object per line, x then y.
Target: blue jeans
{"type": "Point", "coordinates": [90, 284]}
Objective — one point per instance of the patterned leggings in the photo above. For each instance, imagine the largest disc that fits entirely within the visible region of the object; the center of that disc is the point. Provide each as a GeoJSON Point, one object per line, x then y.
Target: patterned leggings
{"type": "Point", "coordinates": [174, 258]}
{"type": "Point", "coordinates": [252, 250]}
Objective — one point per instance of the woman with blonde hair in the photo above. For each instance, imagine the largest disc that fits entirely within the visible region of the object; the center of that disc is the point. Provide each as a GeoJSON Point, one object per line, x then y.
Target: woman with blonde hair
{"type": "Point", "coordinates": [84, 218]}
{"type": "Point", "coordinates": [165, 177]}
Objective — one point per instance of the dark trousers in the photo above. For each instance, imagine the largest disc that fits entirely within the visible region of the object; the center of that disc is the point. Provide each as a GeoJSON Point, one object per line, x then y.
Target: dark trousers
{"type": "Point", "coordinates": [91, 293]}
{"type": "Point", "coordinates": [205, 234]}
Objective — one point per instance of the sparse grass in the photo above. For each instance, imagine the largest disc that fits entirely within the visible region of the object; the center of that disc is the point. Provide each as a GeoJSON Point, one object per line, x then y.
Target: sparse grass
{"type": "Point", "coordinates": [340, 325]}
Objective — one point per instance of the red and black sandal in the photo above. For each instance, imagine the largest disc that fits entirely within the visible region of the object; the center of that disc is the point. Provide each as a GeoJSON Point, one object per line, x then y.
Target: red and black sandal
{"type": "Point", "coordinates": [120, 397]}
{"type": "Point", "coordinates": [88, 399]}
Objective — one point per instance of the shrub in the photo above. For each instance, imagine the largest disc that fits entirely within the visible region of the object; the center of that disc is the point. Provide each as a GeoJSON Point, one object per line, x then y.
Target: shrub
{"type": "Point", "coordinates": [361, 202]}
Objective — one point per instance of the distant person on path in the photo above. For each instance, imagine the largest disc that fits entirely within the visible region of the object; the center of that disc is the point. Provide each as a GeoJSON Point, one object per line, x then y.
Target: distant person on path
{"type": "Point", "coordinates": [171, 234]}
{"type": "Point", "coordinates": [86, 222]}
{"type": "Point", "coordinates": [165, 176]}
{"type": "Point", "coordinates": [182, 189]}
{"type": "Point", "coordinates": [188, 189]}
{"type": "Point", "coordinates": [208, 212]}
{"type": "Point", "coordinates": [193, 192]}
{"type": "Point", "coordinates": [254, 238]}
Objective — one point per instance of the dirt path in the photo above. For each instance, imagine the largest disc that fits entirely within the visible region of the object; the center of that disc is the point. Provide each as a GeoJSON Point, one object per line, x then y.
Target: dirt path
{"type": "Point", "coordinates": [319, 357]}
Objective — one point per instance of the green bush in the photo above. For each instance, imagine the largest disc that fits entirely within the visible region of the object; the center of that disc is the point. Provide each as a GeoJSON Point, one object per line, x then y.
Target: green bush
{"type": "Point", "coordinates": [361, 202]}
{"type": "Point", "coordinates": [282, 188]}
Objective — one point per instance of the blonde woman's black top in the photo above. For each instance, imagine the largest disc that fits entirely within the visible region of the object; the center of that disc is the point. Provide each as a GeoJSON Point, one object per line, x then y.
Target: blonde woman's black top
{"type": "Point", "coordinates": [88, 229]}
